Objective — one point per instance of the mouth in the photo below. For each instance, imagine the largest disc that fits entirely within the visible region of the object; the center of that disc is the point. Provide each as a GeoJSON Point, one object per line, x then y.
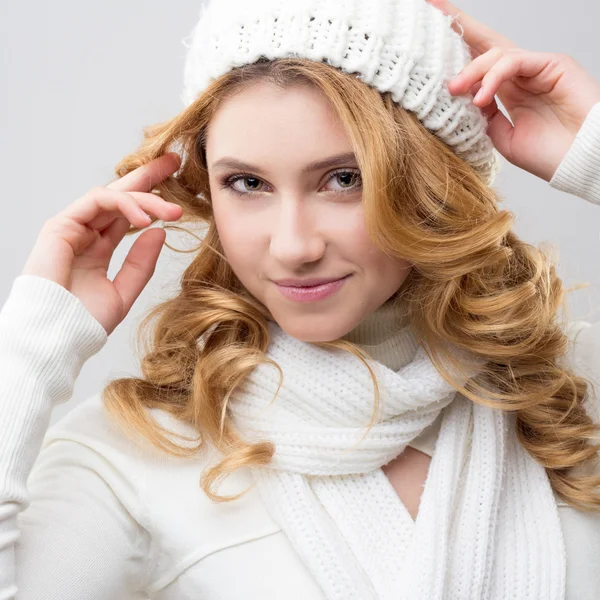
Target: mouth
{"type": "Point", "coordinates": [307, 282]}
{"type": "Point", "coordinates": [311, 293]}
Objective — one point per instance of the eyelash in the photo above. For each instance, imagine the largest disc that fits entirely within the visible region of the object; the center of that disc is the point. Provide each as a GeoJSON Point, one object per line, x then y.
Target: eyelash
{"type": "Point", "coordinates": [228, 181]}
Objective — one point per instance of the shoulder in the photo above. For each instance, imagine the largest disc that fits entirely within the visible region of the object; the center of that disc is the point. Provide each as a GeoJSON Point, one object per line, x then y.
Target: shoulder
{"type": "Point", "coordinates": [162, 491]}
{"type": "Point", "coordinates": [91, 431]}
{"type": "Point", "coordinates": [87, 445]}
{"type": "Point", "coordinates": [132, 466]}
{"type": "Point", "coordinates": [89, 426]}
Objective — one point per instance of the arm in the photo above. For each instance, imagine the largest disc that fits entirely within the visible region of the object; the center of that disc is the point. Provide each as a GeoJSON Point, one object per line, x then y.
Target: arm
{"type": "Point", "coordinates": [579, 171]}
{"type": "Point", "coordinates": [579, 174]}
{"type": "Point", "coordinates": [63, 533]}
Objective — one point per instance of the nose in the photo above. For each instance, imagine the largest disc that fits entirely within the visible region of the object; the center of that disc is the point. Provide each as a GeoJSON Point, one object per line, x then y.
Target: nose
{"type": "Point", "coordinates": [295, 236]}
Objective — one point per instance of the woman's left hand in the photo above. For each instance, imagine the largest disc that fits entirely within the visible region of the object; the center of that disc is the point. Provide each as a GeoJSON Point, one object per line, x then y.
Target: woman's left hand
{"type": "Point", "coordinates": [547, 95]}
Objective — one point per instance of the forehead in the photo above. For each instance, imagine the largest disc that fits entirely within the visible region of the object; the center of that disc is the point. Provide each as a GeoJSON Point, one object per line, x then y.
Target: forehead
{"type": "Point", "coordinates": [265, 118]}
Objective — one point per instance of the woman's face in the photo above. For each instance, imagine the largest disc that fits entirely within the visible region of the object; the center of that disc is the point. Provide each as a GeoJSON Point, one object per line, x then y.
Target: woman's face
{"type": "Point", "coordinates": [283, 216]}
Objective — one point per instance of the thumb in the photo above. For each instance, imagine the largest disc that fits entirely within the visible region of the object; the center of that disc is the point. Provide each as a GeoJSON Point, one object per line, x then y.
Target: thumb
{"type": "Point", "coordinates": [139, 266]}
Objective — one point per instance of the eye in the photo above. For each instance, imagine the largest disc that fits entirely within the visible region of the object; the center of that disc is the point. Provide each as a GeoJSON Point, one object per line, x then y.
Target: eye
{"type": "Point", "coordinates": [254, 184]}
{"type": "Point", "coordinates": [347, 178]}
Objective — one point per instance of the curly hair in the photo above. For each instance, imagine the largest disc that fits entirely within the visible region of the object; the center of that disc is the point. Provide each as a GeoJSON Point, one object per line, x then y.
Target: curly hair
{"type": "Point", "coordinates": [474, 284]}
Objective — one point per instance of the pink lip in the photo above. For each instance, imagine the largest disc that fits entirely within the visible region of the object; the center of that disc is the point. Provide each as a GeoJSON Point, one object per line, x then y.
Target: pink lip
{"type": "Point", "coordinates": [312, 293]}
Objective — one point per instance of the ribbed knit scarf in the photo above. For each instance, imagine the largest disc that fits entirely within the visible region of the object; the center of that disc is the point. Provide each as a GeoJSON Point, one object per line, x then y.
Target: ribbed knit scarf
{"type": "Point", "coordinates": [487, 526]}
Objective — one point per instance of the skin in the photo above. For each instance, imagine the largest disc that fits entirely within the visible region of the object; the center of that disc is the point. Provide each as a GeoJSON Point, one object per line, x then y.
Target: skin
{"type": "Point", "coordinates": [302, 225]}
{"type": "Point", "coordinates": [291, 224]}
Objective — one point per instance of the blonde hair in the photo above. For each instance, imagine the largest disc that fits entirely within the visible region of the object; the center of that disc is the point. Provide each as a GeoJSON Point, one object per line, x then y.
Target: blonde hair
{"type": "Point", "coordinates": [474, 284]}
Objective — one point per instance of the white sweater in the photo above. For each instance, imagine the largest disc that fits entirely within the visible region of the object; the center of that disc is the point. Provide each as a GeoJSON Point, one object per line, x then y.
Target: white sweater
{"type": "Point", "coordinates": [87, 514]}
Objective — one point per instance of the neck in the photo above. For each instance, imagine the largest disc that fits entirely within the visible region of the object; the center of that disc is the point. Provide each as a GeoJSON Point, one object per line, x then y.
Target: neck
{"type": "Point", "coordinates": [385, 334]}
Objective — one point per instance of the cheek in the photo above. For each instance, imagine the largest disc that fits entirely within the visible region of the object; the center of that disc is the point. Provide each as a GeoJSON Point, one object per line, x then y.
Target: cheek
{"type": "Point", "coordinates": [344, 225]}
{"type": "Point", "coordinates": [376, 264]}
{"type": "Point", "coordinates": [356, 238]}
{"type": "Point", "coordinates": [239, 239]}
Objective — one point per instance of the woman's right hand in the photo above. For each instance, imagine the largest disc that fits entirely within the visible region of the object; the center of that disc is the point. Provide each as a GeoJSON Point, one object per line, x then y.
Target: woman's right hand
{"type": "Point", "coordinates": [74, 248]}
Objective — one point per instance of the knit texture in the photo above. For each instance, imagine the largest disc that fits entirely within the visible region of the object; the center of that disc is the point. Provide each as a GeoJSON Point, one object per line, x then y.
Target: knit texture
{"type": "Point", "coordinates": [487, 526]}
{"type": "Point", "coordinates": [405, 47]}
{"type": "Point", "coordinates": [578, 171]}
{"type": "Point", "coordinates": [385, 334]}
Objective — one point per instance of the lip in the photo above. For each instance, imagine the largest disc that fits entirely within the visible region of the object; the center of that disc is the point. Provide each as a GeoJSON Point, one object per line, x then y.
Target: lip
{"type": "Point", "coordinates": [307, 282]}
{"type": "Point", "coordinates": [311, 293]}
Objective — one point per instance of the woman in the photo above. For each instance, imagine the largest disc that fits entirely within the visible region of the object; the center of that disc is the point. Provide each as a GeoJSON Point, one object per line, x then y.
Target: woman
{"type": "Point", "coordinates": [433, 433]}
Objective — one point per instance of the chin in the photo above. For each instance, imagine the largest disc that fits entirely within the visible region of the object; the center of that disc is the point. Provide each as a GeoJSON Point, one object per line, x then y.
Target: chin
{"type": "Point", "coordinates": [313, 328]}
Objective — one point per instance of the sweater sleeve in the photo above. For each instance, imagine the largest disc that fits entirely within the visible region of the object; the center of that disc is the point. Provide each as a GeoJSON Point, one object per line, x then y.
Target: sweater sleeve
{"type": "Point", "coordinates": [579, 171]}
{"type": "Point", "coordinates": [63, 533]}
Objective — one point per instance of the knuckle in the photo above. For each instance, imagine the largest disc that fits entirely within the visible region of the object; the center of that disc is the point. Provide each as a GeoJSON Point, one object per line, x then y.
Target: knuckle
{"type": "Point", "coordinates": [136, 264]}
{"type": "Point", "coordinates": [121, 198]}
{"type": "Point", "coordinates": [97, 190]}
{"type": "Point", "coordinates": [497, 51]}
{"type": "Point", "coordinates": [565, 58]}
{"type": "Point", "coordinates": [127, 198]}
{"type": "Point", "coordinates": [561, 60]}
{"type": "Point", "coordinates": [48, 225]}
{"type": "Point", "coordinates": [55, 225]}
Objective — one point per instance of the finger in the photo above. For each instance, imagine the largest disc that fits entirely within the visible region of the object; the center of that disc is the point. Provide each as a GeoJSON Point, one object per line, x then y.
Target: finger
{"type": "Point", "coordinates": [500, 130]}
{"type": "Point", "coordinates": [146, 177]}
{"type": "Point", "coordinates": [100, 206]}
{"type": "Point", "coordinates": [476, 88]}
{"type": "Point", "coordinates": [151, 205]}
{"type": "Point", "coordinates": [523, 64]}
{"type": "Point", "coordinates": [139, 266]}
{"type": "Point", "coordinates": [490, 111]}
{"type": "Point", "coordinates": [474, 72]}
{"type": "Point", "coordinates": [478, 36]}
{"type": "Point", "coordinates": [116, 231]}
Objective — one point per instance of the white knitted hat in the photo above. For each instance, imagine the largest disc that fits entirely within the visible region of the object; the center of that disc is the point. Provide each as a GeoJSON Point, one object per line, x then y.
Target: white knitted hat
{"type": "Point", "coordinates": [405, 47]}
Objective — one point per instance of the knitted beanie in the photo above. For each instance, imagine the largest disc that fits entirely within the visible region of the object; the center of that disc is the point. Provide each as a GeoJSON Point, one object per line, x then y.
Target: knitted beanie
{"type": "Point", "coordinates": [405, 47]}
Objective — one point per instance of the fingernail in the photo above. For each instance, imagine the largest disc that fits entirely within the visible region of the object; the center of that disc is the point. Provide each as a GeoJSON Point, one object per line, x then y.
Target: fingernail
{"type": "Point", "coordinates": [478, 95]}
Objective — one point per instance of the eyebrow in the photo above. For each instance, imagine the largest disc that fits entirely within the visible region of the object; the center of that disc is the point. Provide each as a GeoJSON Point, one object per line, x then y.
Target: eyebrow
{"type": "Point", "coordinates": [332, 161]}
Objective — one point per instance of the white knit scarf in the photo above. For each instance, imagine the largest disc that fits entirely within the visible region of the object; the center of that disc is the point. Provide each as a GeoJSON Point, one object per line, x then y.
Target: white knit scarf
{"type": "Point", "coordinates": [487, 526]}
